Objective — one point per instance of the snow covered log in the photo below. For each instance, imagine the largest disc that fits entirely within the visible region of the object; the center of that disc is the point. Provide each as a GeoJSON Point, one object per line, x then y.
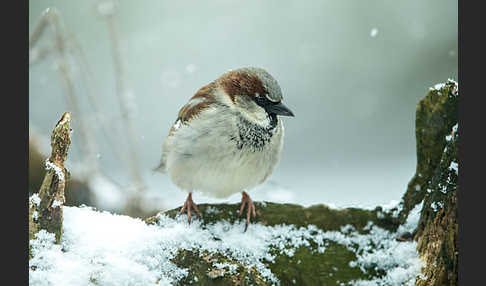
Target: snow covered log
{"type": "Point", "coordinates": [288, 244]}
{"type": "Point", "coordinates": [317, 245]}
{"type": "Point", "coordinates": [45, 211]}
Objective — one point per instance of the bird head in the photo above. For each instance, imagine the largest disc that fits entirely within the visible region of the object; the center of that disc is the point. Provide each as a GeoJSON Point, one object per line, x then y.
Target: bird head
{"type": "Point", "coordinates": [254, 93]}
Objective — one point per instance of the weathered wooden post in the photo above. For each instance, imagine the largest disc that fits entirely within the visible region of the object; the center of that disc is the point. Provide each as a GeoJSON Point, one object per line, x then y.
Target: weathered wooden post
{"type": "Point", "coordinates": [45, 210]}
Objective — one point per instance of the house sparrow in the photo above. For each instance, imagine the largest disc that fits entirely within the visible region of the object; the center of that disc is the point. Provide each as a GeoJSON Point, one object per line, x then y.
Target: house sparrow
{"type": "Point", "coordinates": [227, 138]}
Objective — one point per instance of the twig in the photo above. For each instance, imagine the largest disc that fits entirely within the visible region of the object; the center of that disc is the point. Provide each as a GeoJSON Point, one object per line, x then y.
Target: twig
{"type": "Point", "coordinates": [107, 9]}
{"type": "Point", "coordinates": [99, 116]}
{"type": "Point", "coordinates": [40, 28]}
{"type": "Point", "coordinates": [50, 18]}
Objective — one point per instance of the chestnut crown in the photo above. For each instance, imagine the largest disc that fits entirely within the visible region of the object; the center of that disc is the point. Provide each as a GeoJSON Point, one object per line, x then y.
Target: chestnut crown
{"type": "Point", "coordinates": [256, 84]}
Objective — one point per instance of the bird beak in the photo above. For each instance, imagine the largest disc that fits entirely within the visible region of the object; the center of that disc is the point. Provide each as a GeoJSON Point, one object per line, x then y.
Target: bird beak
{"type": "Point", "coordinates": [279, 109]}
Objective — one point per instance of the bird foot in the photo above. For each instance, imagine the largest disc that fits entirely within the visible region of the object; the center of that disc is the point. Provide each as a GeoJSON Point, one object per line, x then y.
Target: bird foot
{"type": "Point", "coordinates": [187, 206]}
{"type": "Point", "coordinates": [245, 199]}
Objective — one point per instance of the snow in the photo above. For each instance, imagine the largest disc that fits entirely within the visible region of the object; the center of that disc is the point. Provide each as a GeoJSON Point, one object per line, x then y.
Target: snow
{"type": "Point", "coordinates": [231, 268]}
{"type": "Point", "coordinates": [35, 199]}
{"type": "Point", "coordinates": [380, 250]}
{"type": "Point", "coordinates": [453, 131]}
{"type": "Point", "coordinates": [56, 204]}
{"type": "Point", "coordinates": [212, 210]}
{"type": "Point", "coordinates": [110, 249]}
{"type": "Point", "coordinates": [57, 170]}
{"type": "Point", "coordinates": [454, 128]}
{"type": "Point", "coordinates": [441, 85]}
{"type": "Point", "coordinates": [452, 81]}
{"type": "Point", "coordinates": [373, 32]}
{"type": "Point", "coordinates": [438, 86]}
{"type": "Point", "coordinates": [398, 259]}
{"type": "Point", "coordinates": [436, 206]}
{"type": "Point", "coordinates": [455, 167]}
{"type": "Point", "coordinates": [396, 206]}
{"type": "Point", "coordinates": [191, 68]}
{"type": "Point", "coordinates": [412, 220]}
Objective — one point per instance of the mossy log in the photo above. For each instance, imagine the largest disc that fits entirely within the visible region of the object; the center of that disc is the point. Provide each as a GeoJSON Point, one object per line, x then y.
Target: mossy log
{"type": "Point", "coordinates": [436, 183]}
{"type": "Point", "coordinates": [435, 116]}
{"type": "Point", "coordinates": [45, 212]}
{"type": "Point", "coordinates": [271, 214]}
{"type": "Point", "coordinates": [305, 267]}
{"type": "Point", "coordinates": [437, 231]}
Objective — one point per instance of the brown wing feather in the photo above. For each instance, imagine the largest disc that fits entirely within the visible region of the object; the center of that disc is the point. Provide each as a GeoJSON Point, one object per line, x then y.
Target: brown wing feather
{"type": "Point", "coordinates": [199, 101]}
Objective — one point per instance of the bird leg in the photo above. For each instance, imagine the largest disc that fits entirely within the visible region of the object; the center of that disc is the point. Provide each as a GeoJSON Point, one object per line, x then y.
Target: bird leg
{"type": "Point", "coordinates": [250, 209]}
{"type": "Point", "coordinates": [187, 205]}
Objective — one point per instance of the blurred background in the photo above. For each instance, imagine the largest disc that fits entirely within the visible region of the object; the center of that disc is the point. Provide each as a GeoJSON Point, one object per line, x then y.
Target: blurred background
{"type": "Point", "coordinates": [352, 72]}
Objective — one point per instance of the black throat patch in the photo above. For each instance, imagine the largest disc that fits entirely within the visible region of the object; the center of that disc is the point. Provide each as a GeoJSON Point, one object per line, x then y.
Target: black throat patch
{"type": "Point", "coordinates": [253, 136]}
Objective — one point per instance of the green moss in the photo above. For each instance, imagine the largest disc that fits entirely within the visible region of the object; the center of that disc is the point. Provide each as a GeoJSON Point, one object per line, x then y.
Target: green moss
{"type": "Point", "coordinates": [271, 214]}
{"type": "Point", "coordinates": [33, 227]}
{"type": "Point", "coordinates": [443, 185]}
{"type": "Point", "coordinates": [437, 231]}
{"type": "Point", "coordinates": [307, 267]}
{"type": "Point", "coordinates": [202, 272]}
{"type": "Point", "coordinates": [436, 114]}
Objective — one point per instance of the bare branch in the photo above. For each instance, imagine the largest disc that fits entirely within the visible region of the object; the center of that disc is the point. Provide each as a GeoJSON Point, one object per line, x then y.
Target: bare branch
{"type": "Point", "coordinates": [51, 18]}
{"type": "Point", "coordinates": [108, 10]}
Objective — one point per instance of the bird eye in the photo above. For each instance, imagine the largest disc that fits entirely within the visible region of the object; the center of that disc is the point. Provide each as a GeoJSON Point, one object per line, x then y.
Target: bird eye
{"type": "Point", "coordinates": [270, 99]}
{"type": "Point", "coordinates": [261, 100]}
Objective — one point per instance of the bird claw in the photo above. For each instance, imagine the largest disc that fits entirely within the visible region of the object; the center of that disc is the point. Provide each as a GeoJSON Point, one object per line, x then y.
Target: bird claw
{"type": "Point", "coordinates": [245, 199]}
{"type": "Point", "coordinates": [187, 206]}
